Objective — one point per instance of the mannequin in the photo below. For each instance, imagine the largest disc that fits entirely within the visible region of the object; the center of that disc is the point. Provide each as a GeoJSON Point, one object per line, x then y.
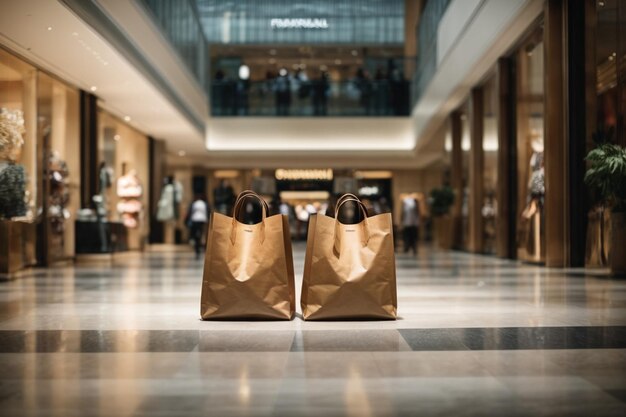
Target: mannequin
{"type": "Point", "coordinates": [130, 190]}
{"type": "Point", "coordinates": [171, 197]}
{"type": "Point", "coordinates": [532, 215]}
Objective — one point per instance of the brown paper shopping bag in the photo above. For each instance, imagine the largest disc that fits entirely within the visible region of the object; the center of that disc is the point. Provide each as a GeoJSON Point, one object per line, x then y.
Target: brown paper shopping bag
{"type": "Point", "coordinates": [248, 269]}
{"type": "Point", "coordinates": [349, 270]}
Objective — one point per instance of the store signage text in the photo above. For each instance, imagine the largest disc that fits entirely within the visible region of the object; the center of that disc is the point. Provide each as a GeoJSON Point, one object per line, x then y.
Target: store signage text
{"type": "Point", "coordinates": [307, 23]}
{"type": "Point", "coordinates": [304, 174]}
{"type": "Point", "coordinates": [369, 190]}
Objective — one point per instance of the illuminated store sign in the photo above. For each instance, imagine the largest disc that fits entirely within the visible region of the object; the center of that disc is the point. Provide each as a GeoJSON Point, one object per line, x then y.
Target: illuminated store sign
{"type": "Point", "coordinates": [304, 174]}
{"type": "Point", "coordinates": [299, 23]}
{"type": "Point", "coordinates": [372, 190]}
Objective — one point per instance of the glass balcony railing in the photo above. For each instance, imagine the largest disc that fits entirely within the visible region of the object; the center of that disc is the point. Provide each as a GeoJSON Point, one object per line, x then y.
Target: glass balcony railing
{"type": "Point", "coordinates": [426, 65]}
{"type": "Point", "coordinates": [310, 98]}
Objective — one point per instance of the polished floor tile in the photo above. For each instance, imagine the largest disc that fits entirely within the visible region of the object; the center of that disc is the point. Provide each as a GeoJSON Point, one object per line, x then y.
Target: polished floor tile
{"type": "Point", "coordinates": [476, 336]}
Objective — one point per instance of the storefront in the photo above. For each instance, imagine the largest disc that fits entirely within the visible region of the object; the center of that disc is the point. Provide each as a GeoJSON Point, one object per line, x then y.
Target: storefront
{"type": "Point", "coordinates": [497, 157]}
{"type": "Point", "coordinates": [40, 176]}
{"type": "Point", "coordinates": [44, 217]}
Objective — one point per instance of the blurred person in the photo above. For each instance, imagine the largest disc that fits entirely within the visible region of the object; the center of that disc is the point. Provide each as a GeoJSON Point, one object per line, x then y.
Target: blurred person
{"type": "Point", "coordinates": [410, 223]}
{"type": "Point", "coordinates": [396, 93]}
{"type": "Point", "coordinates": [320, 94]}
{"type": "Point", "coordinates": [304, 84]}
{"type": "Point", "coordinates": [218, 92]}
{"type": "Point", "coordinates": [364, 85]}
{"type": "Point", "coordinates": [381, 100]}
{"type": "Point", "coordinates": [284, 208]}
{"type": "Point", "coordinates": [223, 197]}
{"type": "Point", "coordinates": [282, 88]}
{"type": "Point", "coordinates": [197, 219]}
{"type": "Point", "coordinates": [242, 96]}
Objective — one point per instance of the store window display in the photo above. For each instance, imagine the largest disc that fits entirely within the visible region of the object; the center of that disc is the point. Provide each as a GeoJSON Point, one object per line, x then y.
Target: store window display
{"type": "Point", "coordinates": [123, 154]}
{"type": "Point", "coordinates": [58, 136]}
{"type": "Point", "coordinates": [129, 206]}
{"type": "Point", "coordinates": [530, 149]}
{"type": "Point", "coordinates": [59, 195]}
{"type": "Point", "coordinates": [12, 174]}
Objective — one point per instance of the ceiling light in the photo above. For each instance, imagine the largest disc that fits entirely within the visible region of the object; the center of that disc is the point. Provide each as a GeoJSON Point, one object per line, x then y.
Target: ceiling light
{"type": "Point", "coordinates": [127, 118]}
{"type": "Point", "coordinates": [117, 137]}
{"type": "Point", "coordinates": [355, 52]}
{"type": "Point", "coordinates": [337, 61]}
{"type": "Point", "coordinates": [49, 27]}
{"type": "Point", "coordinates": [74, 33]}
{"type": "Point", "coordinates": [601, 3]}
{"type": "Point", "coordinates": [182, 153]}
{"type": "Point", "coordinates": [93, 88]}
{"type": "Point", "coordinates": [244, 72]}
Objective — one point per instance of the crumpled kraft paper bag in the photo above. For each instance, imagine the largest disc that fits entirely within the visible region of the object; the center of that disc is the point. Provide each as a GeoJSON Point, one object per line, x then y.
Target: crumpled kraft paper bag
{"type": "Point", "coordinates": [248, 269]}
{"type": "Point", "coordinates": [349, 270]}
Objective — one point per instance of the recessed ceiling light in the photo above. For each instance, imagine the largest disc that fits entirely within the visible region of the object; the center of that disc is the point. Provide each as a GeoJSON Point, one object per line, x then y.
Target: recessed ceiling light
{"type": "Point", "coordinates": [127, 118]}
{"type": "Point", "coordinates": [93, 88]}
{"type": "Point", "coordinates": [74, 33]}
{"type": "Point", "coordinates": [182, 153]}
{"type": "Point", "coordinates": [117, 137]}
{"type": "Point", "coordinates": [49, 27]}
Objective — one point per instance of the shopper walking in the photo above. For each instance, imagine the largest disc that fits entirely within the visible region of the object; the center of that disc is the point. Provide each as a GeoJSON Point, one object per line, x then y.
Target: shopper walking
{"type": "Point", "coordinates": [197, 219]}
{"type": "Point", "coordinates": [410, 223]}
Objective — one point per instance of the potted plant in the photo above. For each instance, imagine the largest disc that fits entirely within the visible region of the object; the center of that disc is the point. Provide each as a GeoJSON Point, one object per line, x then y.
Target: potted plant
{"type": "Point", "coordinates": [607, 175]}
{"type": "Point", "coordinates": [441, 199]}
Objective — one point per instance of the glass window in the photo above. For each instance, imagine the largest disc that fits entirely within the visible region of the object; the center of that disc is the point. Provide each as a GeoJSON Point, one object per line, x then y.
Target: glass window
{"type": "Point", "coordinates": [530, 145]}
{"type": "Point", "coordinates": [59, 130]}
{"type": "Point", "coordinates": [18, 103]}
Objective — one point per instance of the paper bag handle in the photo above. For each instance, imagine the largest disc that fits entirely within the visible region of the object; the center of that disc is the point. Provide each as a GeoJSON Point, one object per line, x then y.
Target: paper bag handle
{"type": "Point", "coordinates": [365, 236]}
{"type": "Point", "coordinates": [248, 193]}
{"type": "Point", "coordinates": [238, 203]}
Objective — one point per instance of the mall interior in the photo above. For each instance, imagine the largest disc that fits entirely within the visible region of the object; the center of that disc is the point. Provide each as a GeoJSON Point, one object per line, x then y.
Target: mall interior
{"type": "Point", "coordinates": [490, 136]}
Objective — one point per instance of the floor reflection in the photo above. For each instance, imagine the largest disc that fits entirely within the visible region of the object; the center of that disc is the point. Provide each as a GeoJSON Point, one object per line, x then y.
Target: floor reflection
{"type": "Point", "coordinates": [477, 336]}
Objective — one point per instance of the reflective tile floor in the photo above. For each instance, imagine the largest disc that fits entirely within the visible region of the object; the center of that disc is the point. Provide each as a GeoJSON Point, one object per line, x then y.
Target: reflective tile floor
{"type": "Point", "coordinates": [477, 336]}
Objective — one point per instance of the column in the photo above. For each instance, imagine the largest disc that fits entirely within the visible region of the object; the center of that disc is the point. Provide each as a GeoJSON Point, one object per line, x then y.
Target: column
{"type": "Point", "coordinates": [476, 172]}
{"type": "Point", "coordinates": [506, 190]}
{"type": "Point", "coordinates": [456, 178]}
{"type": "Point", "coordinates": [557, 215]}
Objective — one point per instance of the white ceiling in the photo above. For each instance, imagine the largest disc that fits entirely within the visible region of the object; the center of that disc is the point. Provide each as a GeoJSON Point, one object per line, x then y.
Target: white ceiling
{"type": "Point", "coordinates": [51, 36]}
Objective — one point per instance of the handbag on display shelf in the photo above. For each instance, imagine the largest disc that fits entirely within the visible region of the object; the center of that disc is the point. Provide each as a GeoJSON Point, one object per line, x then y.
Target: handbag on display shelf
{"type": "Point", "coordinates": [349, 269]}
{"type": "Point", "coordinates": [248, 268]}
